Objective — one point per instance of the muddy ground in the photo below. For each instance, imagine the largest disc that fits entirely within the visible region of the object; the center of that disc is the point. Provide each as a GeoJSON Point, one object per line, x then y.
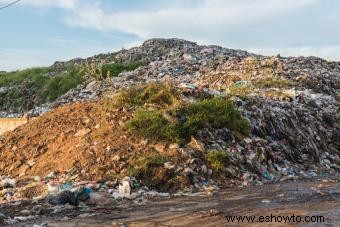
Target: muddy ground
{"type": "Point", "coordinates": [304, 198]}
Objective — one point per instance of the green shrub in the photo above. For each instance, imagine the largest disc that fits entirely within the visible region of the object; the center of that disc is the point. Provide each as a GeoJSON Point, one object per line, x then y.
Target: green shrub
{"type": "Point", "coordinates": [187, 120]}
{"type": "Point", "coordinates": [16, 99]}
{"type": "Point", "coordinates": [217, 112]}
{"type": "Point", "coordinates": [22, 88]}
{"type": "Point", "coordinates": [116, 68]}
{"type": "Point", "coordinates": [217, 160]}
{"type": "Point", "coordinates": [143, 165]}
{"type": "Point", "coordinates": [153, 125]}
{"type": "Point", "coordinates": [17, 77]}
{"type": "Point", "coordinates": [59, 85]}
{"type": "Point", "coordinates": [150, 124]}
{"type": "Point", "coordinates": [31, 87]}
{"type": "Point", "coordinates": [175, 133]}
{"type": "Point", "coordinates": [161, 94]}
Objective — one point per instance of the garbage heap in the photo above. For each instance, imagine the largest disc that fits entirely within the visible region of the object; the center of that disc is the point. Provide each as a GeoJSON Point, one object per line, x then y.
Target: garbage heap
{"type": "Point", "coordinates": [100, 141]}
{"type": "Point", "coordinates": [220, 69]}
{"type": "Point", "coordinates": [291, 106]}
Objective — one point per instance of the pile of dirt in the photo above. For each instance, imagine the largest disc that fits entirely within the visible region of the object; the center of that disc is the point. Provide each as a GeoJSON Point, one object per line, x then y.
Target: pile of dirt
{"type": "Point", "coordinates": [80, 137]}
{"type": "Point", "coordinates": [84, 140]}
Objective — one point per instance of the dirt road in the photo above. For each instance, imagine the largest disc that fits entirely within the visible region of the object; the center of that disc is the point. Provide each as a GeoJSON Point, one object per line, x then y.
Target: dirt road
{"type": "Point", "coordinates": [304, 198]}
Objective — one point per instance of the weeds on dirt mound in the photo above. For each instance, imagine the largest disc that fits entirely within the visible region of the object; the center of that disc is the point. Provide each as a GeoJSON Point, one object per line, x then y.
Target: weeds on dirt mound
{"type": "Point", "coordinates": [178, 125]}
{"type": "Point", "coordinates": [150, 124]}
{"type": "Point", "coordinates": [150, 169]}
{"type": "Point", "coordinates": [216, 112]}
{"type": "Point", "coordinates": [217, 160]}
{"type": "Point", "coordinates": [160, 94]}
{"type": "Point", "coordinates": [144, 163]}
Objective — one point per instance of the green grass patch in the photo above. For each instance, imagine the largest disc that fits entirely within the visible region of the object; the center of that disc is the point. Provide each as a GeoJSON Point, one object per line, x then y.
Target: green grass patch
{"type": "Point", "coordinates": [160, 94]}
{"type": "Point", "coordinates": [37, 75]}
{"type": "Point", "coordinates": [30, 87]}
{"type": "Point", "coordinates": [15, 98]}
{"type": "Point", "coordinates": [150, 124]}
{"type": "Point", "coordinates": [240, 89]}
{"type": "Point", "coordinates": [59, 85]}
{"type": "Point", "coordinates": [216, 112]}
{"type": "Point", "coordinates": [115, 69]}
{"type": "Point", "coordinates": [272, 82]}
{"type": "Point", "coordinates": [144, 164]}
{"type": "Point", "coordinates": [217, 160]}
{"type": "Point", "coordinates": [185, 121]}
{"type": "Point", "coordinates": [149, 168]}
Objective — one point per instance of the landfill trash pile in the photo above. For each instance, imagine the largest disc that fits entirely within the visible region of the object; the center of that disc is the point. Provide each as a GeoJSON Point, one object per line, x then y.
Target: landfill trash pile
{"type": "Point", "coordinates": [162, 59]}
{"type": "Point", "coordinates": [191, 119]}
{"type": "Point", "coordinates": [209, 66]}
{"type": "Point", "coordinates": [160, 49]}
{"type": "Point", "coordinates": [187, 62]}
{"type": "Point", "coordinates": [268, 73]}
{"type": "Point", "coordinates": [92, 140]}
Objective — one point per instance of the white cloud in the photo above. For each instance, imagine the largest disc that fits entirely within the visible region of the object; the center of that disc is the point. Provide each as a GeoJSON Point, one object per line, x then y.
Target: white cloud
{"type": "Point", "coordinates": [207, 23]}
{"type": "Point", "coordinates": [181, 21]}
{"type": "Point", "coordinates": [65, 4]}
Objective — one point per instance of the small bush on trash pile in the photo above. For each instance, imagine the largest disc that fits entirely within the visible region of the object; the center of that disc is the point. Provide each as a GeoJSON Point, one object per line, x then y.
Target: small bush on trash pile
{"type": "Point", "coordinates": [17, 77]}
{"type": "Point", "coordinates": [149, 168]}
{"type": "Point", "coordinates": [116, 68]}
{"type": "Point", "coordinates": [142, 166]}
{"type": "Point", "coordinates": [29, 87]}
{"type": "Point", "coordinates": [217, 112]}
{"type": "Point", "coordinates": [161, 94]}
{"type": "Point", "coordinates": [187, 120]}
{"type": "Point", "coordinates": [217, 160]}
{"type": "Point", "coordinates": [60, 84]}
{"type": "Point", "coordinates": [150, 124]}
{"type": "Point", "coordinates": [272, 82]}
{"type": "Point", "coordinates": [242, 90]}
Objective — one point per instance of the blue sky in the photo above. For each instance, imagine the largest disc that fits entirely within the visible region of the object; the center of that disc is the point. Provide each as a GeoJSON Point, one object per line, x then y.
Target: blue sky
{"type": "Point", "coordinates": [39, 32]}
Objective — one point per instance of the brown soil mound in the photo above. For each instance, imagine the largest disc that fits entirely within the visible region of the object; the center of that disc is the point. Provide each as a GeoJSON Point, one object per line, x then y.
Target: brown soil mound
{"type": "Point", "coordinates": [80, 138]}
